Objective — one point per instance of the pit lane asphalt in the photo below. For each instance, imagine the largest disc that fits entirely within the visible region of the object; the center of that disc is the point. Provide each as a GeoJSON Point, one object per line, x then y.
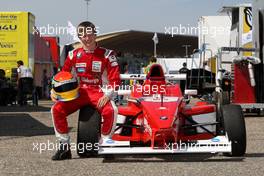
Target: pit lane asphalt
{"type": "Point", "coordinates": [23, 127]}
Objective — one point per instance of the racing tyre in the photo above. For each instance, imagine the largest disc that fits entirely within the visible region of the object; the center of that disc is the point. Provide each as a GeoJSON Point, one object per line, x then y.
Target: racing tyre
{"type": "Point", "coordinates": [89, 132]}
{"type": "Point", "coordinates": [234, 124]}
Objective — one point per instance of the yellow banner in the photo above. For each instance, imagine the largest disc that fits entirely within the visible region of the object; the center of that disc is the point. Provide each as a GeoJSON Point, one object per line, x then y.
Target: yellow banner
{"type": "Point", "coordinates": [14, 34]}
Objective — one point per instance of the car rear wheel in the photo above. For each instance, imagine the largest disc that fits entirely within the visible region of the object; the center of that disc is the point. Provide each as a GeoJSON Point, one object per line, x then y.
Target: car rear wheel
{"type": "Point", "coordinates": [234, 124]}
{"type": "Point", "coordinates": [89, 132]}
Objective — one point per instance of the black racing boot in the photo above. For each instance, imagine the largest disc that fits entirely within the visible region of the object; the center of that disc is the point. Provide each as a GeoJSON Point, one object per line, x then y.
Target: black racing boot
{"type": "Point", "coordinates": [63, 153]}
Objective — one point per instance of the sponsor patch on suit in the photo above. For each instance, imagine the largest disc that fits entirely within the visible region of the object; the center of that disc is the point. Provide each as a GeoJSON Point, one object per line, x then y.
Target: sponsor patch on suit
{"type": "Point", "coordinates": [112, 58]}
{"type": "Point", "coordinates": [96, 66]}
{"type": "Point", "coordinates": [79, 55]}
{"type": "Point", "coordinates": [113, 64]}
{"type": "Point", "coordinates": [80, 65]}
{"type": "Point", "coordinates": [81, 70]}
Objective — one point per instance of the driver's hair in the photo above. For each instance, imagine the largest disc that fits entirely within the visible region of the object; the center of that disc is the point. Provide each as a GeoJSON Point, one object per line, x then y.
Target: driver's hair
{"type": "Point", "coordinates": [85, 27]}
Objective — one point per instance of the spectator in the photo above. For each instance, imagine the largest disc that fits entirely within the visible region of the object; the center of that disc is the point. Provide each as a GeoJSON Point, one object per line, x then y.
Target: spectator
{"type": "Point", "coordinates": [24, 82]}
{"type": "Point", "coordinates": [3, 88]}
{"type": "Point", "coordinates": [153, 60]}
{"type": "Point", "coordinates": [45, 83]}
{"type": "Point", "coordinates": [183, 70]}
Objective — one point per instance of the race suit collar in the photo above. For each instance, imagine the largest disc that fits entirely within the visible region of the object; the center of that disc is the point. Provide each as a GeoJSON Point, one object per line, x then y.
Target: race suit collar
{"type": "Point", "coordinates": [91, 51]}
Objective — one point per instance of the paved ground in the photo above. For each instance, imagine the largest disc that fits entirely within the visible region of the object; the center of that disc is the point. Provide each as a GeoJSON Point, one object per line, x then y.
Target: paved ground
{"type": "Point", "coordinates": [22, 128]}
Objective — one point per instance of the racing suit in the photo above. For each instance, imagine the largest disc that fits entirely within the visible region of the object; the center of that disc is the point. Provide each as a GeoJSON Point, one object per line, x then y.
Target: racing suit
{"type": "Point", "coordinates": [93, 69]}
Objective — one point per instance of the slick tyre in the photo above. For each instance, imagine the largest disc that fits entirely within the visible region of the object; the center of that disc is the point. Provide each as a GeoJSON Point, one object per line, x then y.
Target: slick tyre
{"type": "Point", "coordinates": [89, 132]}
{"type": "Point", "coordinates": [234, 124]}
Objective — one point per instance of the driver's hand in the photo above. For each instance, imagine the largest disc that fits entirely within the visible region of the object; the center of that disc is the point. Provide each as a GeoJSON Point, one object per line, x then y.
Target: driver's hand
{"type": "Point", "coordinates": [102, 101]}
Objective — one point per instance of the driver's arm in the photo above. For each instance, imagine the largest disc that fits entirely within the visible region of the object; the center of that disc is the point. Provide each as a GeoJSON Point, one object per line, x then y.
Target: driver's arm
{"type": "Point", "coordinates": [113, 75]}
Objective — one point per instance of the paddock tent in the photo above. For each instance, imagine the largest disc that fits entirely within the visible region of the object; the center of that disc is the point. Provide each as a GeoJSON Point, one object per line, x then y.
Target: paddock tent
{"type": "Point", "coordinates": [132, 41]}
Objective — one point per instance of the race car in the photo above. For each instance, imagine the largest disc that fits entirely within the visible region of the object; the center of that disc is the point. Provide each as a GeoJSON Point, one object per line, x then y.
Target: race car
{"type": "Point", "coordinates": [158, 118]}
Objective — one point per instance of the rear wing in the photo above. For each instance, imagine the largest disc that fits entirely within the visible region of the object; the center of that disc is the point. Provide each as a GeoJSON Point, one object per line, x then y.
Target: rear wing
{"type": "Point", "coordinates": [169, 77]}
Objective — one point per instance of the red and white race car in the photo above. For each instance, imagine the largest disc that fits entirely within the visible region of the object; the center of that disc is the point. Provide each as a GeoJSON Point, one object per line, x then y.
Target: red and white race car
{"type": "Point", "coordinates": [159, 119]}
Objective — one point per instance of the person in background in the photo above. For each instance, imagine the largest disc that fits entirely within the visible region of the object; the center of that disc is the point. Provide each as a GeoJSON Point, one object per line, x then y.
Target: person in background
{"type": "Point", "coordinates": [125, 71]}
{"type": "Point", "coordinates": [124, 84]}
{"type": "Point", "coordinates": [153, 60]}
{"type": "Point", "coordinates": [3, 88]}
{"type": "Point", "coordinates": [45, 83]}
{"type": "Point", "coordinates": [24, 82]}
{"type": "Point", "coordinates": [183, 70]}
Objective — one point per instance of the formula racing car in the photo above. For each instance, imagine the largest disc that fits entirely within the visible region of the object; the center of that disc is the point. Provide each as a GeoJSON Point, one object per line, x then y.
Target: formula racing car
{"type": "Point", "coordinates": [158, 118]}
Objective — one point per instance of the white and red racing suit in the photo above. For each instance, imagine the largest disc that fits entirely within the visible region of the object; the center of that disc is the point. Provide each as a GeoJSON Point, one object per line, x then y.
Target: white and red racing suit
{"type": "Point", "coordinates": [93, 69]}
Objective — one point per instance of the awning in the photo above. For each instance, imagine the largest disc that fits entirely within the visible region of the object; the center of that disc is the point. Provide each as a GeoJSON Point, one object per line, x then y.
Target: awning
{"type": "Point", "coordinates": [132, 41]}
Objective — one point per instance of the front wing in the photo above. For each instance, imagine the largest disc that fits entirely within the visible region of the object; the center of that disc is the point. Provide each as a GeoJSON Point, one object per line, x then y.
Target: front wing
{"type": "Point", "coordinates": [214, 145]}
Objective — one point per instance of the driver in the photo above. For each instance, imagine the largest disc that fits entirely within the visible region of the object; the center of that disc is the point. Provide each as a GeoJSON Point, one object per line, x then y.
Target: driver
{"type": "Point", "coordinates": [92, 64]}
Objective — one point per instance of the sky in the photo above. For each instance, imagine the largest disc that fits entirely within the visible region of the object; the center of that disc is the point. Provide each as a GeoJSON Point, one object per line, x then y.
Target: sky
{"type": "Point", "coordinates": [116, 15]}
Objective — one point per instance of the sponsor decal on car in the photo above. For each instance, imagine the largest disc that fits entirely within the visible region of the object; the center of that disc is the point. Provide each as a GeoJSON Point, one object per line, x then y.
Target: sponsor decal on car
{"type": "Point", "coordinates": [163, 118]}
{"type": "Point", "coordinates": [110, 141]}
{"type": "Point", "coordinates": [215, 139]}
